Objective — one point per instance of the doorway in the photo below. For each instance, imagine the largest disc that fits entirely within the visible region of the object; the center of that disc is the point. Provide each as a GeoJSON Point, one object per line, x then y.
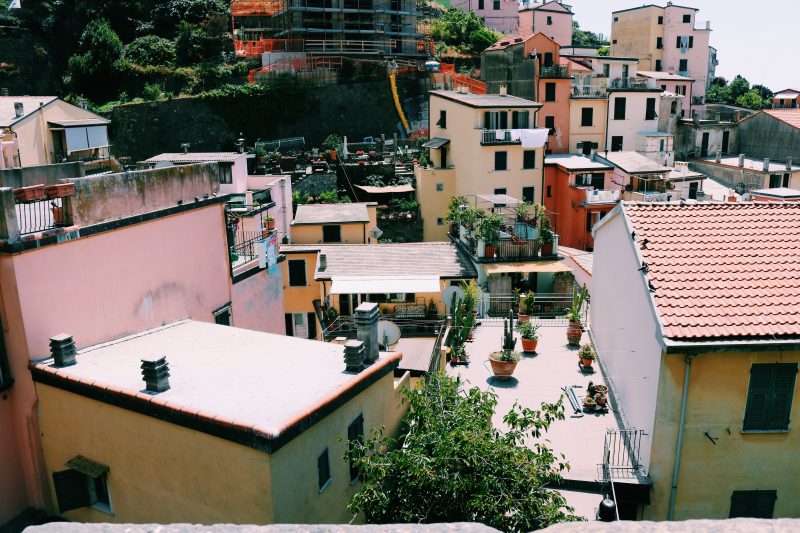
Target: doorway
{"type": "Point", "coordinates": [704, 145]}
{"type": "Point", "coordinates": [693, 190]}
{"type": "Point", "coordinates": [726, 137]}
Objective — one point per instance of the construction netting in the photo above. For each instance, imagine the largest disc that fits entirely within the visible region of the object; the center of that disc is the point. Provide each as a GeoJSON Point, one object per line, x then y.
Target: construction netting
{"type": "Point", "coordinates": [247, 8]}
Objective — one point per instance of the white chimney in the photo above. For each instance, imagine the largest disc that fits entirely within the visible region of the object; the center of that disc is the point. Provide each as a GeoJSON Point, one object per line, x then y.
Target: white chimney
{"type": "Point", "coordinates": [766, 164]}
{"type": "Point", "coordinates": [503, 90]}
{"type": "Point", "coordinates": [19, 109]}
{"type": "Point", "coordinates": [741, 160]}
{"type": "Point", "coordinates": [323, 262]}
{"type": "Point", "coordinates": [788, 163]}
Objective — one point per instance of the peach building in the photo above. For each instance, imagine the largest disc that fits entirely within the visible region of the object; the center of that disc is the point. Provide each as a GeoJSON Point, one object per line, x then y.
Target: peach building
{"type": "Point", "coordinates": [578, 192]}
{"type": "Point", "coordinates": [103, 257]}
{"type": "Point", "coordinates": [348, 223]}
{"type": "Point", "coordinates": [499, 15]}
{"type": "Point", "coordinates": [194, 422]}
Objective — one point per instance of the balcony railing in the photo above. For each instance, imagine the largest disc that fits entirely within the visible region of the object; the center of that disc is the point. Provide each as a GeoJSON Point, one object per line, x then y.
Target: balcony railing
{"type": "Point", "coordinates": [631, 83]}
{"type": "Point", "coordinates": [344, 326]}
{"type": "Point", "coordinates": [553, 71]}
{"type": "Point", "coordinates": [589, 91]}
{"type": "Point", "coordinates": [548, 309]}
{"type": "Point", "coordinates": [597, 196]}
{"type": "Point", "coordinates": [652, 196]}
{"type": "Point", "coordinates": [39, 207]}
{"type": "Point", "coordinates": [515, 248]}
{"type": "Point", "coordinates": [499, 136]}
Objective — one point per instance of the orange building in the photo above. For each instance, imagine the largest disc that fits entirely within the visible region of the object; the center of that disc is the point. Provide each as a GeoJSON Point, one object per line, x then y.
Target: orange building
{"type": "Point", "coordinates": [578, 192]}
{"type": "Point", "coordinates": [553, 90]}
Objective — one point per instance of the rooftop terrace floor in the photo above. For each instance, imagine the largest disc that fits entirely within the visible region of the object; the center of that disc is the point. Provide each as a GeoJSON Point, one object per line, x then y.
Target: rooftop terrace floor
{"type": "Point", "coordinates": [538, 378]}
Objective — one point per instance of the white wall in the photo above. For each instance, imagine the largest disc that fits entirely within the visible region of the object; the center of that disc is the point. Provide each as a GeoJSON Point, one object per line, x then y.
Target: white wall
{"type": "Point", "coordinates": [634, 122]}
{"type": "Point", "coordinates": [623, 327]}
{"type": "Point", "coordinates": [239, 172]}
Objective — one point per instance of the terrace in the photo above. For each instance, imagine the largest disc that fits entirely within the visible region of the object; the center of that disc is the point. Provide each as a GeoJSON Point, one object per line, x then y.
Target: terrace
{"type": "Point", "coordinates": [596, 444]}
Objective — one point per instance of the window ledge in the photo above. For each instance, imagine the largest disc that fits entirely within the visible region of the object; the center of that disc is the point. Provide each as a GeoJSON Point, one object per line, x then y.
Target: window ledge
{"type": "Point", "coordinates": [764, 431]}
{"type": "Point", "coordinates": [325, 486]}
{"type": "Point", "coordinates": [103, 508]}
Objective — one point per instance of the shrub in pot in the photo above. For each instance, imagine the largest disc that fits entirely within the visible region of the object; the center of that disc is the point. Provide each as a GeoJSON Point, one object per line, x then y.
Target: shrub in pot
{"type": "Point", "coordinates": [528, 332]}
{"type": "Point", "coordinates": [526, 306]}
{"type": "Point", "coordinates": [505, 361]}
{"type": "Point", "coordinates": [587, 355]}
{"type": "Point", "coordinates": [574, 315]}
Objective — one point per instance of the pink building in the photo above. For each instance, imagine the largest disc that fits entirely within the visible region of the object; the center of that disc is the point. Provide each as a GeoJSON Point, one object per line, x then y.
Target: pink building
{"type": "Point", "coordinates": [552, 18]}
{"type": "Point", "coordinates": [120, 253]}
{"type": "Point", "coordinates": [499, 15]}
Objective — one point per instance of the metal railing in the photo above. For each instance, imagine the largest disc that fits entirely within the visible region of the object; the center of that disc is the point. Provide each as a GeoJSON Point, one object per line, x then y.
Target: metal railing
{"type": "Point", "coordinates": [550, 309]}
{"type": "Point", "coordinates": [244, 247]}
{"type": "Point", "coordinates": [553, 71]}
{"type": "Point", "coordinates": [514, 249]}
{"type": "Point", "coordinates": [652, 197]}
{"type": "Point", "coordinates": [40, 215]}
{"type": "Point", "coordinates": [589, 91]}
{"type": "Point", "coordinates": [622, 454]}
{"type": "Point", "coordinates": [598, 196]}
{"type": "Point", "coordinates": [436, 351]}
{"type": "Point", "coordinates": [344, 326]}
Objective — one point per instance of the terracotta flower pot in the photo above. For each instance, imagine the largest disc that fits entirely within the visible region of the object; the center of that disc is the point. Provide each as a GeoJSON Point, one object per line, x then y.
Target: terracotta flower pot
{"type": "Point", "coordinates": [489, 250]}
{"type": "Point", "coordinates": [502, 369]}
{"type": "Point", "coordinates": [523, 318]}
{"type": "Point", "coordinates": [587, 362]}
{"type": "Point", "coordinates": [547, 249]}
{"type": "Point", "coordinates": [574, 333]}
{"type": "Point", "coordinates": [529, 345]}
{"type": "Point", "coordinates": [270, 224]}
{"type": "Point", "coordinates": [601, 400]}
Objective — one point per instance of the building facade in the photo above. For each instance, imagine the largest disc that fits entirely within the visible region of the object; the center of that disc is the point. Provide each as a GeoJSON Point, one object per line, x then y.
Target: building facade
{"type": "Point", "coordinates": [552, 18]}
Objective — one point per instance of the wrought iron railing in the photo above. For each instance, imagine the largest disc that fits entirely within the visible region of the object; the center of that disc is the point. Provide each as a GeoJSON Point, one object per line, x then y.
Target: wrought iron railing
{"type": "Point", "coordinates": [589, 91]}
{"type": "Point", "coordinates": [244, 247]}
{"type": "Point", "coordinates": [622, 454]}
{"type": "Point", "coordinates": [344, 326]}
{"type": "Point", "coordinates": [436, 351]}
{"type": "Point", "coordinates": [549, 308]}
{"type": "Point", "coordinates": [553, 71]}
{"type": "Point", "coordinates": [40, 215]}
{"type": "Point", "coordinates": [513, 249]}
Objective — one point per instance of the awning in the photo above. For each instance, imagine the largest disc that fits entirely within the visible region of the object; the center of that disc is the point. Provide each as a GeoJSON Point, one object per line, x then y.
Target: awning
{"type": "Point", "coordinates": [499, 200]}
{"type": "Point", "coordinates": [87, 466]}
{"type": "Point", "coordinates": [526, 267]}
{"type": "Point", "coordinates": [436, 142]}
{"type": "Point", "coordinates": [79, 122]}
{"type": "Point", "coordinates": [383, 284]}
{"type": "Point", "coordinates": [369, 189]}
{"type": "Point", "coordinates": [86, 137]}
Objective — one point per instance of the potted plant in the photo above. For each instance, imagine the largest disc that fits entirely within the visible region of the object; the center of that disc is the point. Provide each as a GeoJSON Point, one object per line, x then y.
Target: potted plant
{"type": "Point", "coordinates": [269, 222]}
{"type": "Point", "coordinates": [598, 392]}
{"type": "Point", "coordinates": [505, 361]}
{"type": "Point", "coordinates": [526, 306]}
{"type": "Point", "coordinates": [574, 315]}
{"type": "Point", "coordinates": [454, 211]}
{"type": "Point", "coordinates": [260, 153]}
{"type": "Point", "coordinates": [431, 310]}
{"type": "Point", "coordinates": [586, 355]}
{"type": "Point", "coordinates": [468, 306]}
{"type": "Point", "coordinates": [528, 331]}
{"type": "Point", "coordinates": [589, 403]}
{"type": "Point", "coordinates": [489, 231]}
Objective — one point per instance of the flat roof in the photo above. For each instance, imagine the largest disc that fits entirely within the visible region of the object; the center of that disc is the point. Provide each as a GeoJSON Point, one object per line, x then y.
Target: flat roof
{"type": "Point", "coordinates": [575, 162]}
{"type": "Point", "coordinates": [351, 213]}
{"type": "Point", "coordinates": [255, 388]}
{"type": "Point", "coordinates": [663, 76]}
{"type": "Point", "coordinates": [677, 175]}
{"type": "Point", "coordinates": [645, 6]}
{"type": "Point", "coordinates": [611, 58]}
{"type": "Point", "coordinates": [485, 100]}
{"type": "Point", "coordinates": [195, 157]}
{"type": "Point", "coordinates": [30, 104]}
{"type": "Point", "coordinates": [441, 259]}
{"type": "Point", "coordinates": [778, 192]}
{"type": "Point", "coordinates": [750, 164]}
{"type": "Point", "coordinates": [634, 162]}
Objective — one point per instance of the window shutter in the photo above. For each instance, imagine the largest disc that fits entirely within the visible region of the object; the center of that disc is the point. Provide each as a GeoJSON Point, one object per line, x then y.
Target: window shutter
{"type": "Point", "coordinates": [72, 490]}
{"type": "Point", "coordinates": [782, 395]}
{"type": "Point", "coordinates": [312, 326]}
{"type": "Point", "coordinates": [289, 324]}
{"type": "Point", "coordinates": [756, 414]}
{"type": "Point", "coordinates": [678, 42]}
{"type": "Point", "coordinates": [487, 121]}
{"type": "Point", "coordinates": [763, 503]}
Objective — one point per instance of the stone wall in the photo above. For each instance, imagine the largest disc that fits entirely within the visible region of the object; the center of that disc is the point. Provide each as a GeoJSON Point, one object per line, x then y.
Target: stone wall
{"type": "Point", "coordinates": [765, 136]}
{"type": "Point", "coordinates": [40, 174]}
{"type": "Point", "coordinates": [213, 124]}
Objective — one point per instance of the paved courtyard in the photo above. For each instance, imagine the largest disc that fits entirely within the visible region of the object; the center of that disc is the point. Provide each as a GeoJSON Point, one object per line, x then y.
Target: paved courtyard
{"type": "Point", "coordinates": [539, 378]}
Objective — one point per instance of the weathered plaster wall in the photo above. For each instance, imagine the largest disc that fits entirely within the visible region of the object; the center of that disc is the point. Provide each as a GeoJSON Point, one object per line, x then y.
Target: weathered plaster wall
{"type": "Point", "coordinates": [765, 136]}
{"type": "Point", "coordinates": [40, 174]}
{"type": "Point", "coordinates": [257, 302]}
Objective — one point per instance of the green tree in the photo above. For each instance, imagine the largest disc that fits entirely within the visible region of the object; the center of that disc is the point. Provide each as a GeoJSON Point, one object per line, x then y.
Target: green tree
{"type": "Point", "coordinates": [150, 50]}
{"type": "Point", "coordinates": [450, 464]}
{"type": "Point", "coordinates": [586, 38]}
{"type": "Point", "coordinates": [168, 15]}
{"type": "Point", "coordinates": [482, 39]}
{"type": "Point", "coordinates": [463, 28]}
{"type": "Point", "coordinates": [99, 49]}
{"type": "Point", "coordinates": [751, 100]}
{"type": "Point", "coordinates": [718, 94]}
{"type": "Point", "coordinates": [763, 91]}
{"type": "Point", "coordinates": [738, 87]}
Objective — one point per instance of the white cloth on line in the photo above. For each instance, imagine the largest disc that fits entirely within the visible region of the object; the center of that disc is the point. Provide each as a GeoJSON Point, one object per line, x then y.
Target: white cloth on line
{"type": "Point", "coordinates": [534, 138]}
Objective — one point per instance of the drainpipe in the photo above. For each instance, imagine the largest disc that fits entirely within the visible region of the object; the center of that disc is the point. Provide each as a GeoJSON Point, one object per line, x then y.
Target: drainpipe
{"type": "Point", "coordinates": [284, 212]}
{"type": "Point", "coordinates": [679, 445]}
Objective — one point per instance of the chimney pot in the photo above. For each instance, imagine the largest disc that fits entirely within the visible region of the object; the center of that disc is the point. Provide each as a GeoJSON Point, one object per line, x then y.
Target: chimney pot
{"type": "Point", "coordinates": [788, 163]}
{"type": "Point", "coordinates": [503, 90]}
{"type": "Point", "coordinates": [718, 158]}
{"type": "Point", "coordinates": [155, 371]}
{"type": "Point", "coordinates": [741, 160]}
{"type": "Point", "coordinates": [766, 164]}
{"type": "Point", "coordinates": [593, 154]}
{"type": "Point", "coordinates": [366, 320]}
{"type": "Point", "coordinates": [19, 109]}
{"type": "Point", "coordinates": [62, 348]}
{"type": "Point", "coordinates": [354, 356]}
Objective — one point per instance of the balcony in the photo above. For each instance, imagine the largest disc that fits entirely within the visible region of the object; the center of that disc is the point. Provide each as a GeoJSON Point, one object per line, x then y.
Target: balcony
{"type": "Point", "coordinates": [500, 137]}
{"type": "Point", "coordinates": [553, 71]}
{"type": "Point", "coordinates": [589, 91]}
{"type": "Point", "coordinates": [518, 244]}
{"type": "Point", "coordinates": [651, 196]}
{"type": "Point", "coordinates": [599, 196]}
{"type": "Point", "coordinates": [632, 83]}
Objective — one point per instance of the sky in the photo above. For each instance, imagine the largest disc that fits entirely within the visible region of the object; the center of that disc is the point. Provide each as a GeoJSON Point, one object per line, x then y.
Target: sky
{"type": "Point", "coordinates": [763, 53]}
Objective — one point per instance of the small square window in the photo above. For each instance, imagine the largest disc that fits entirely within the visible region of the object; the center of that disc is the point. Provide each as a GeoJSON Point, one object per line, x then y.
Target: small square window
{"type": "Point", "coordinates": [440, 221]}
{"type": "Point", "coordinates": [683, 65]}
{"type": "Point", "coordinates": [614, 41]}
{"type": "Point", "coordinates": [658, 65]}
{"type": "Point", "coordinates": [616, 19]}
{"type": "Point", "coordinates": [332, 233]}
{"type": "Point", "coordinates": [529, 159]}
{"type": "Point", "coordinates": [323, 470]}
{"type": "Point", "coordinates": [222, 316]}
{"type": "Point", "coordinates": [550, 123]}
{"type": "Point", "coordinates": [501, 190]}
{"type": "Point", "coordinates": [528, 194]}
{"type": "Point", "coordinates": [225, 173]}
{"type": "Point", "coordinates": [439, 187]}
{"type": "Point", "coordinates": [587, 116]}
{"type": "Point", "coordinates": [687, 19]}
{"type": "Point", "coordinates": [550, 92]}
{"type": "Point", "coordinates": [496, 5]}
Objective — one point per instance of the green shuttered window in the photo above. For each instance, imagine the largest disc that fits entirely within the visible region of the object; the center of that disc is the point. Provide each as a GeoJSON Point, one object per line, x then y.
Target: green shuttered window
{"type": "Point", "coordinates": [769, 397]}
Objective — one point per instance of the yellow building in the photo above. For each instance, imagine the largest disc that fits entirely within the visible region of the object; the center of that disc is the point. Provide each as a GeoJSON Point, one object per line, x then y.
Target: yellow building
{"type": "Point", "coordinates": [406, 280]}
{"type": "Point", "coordinates": [694, 322]}
{"type": "Point", "coordinates": [587, 122]}
{"type": "Point", "coordinates": [46, 130]}
{"type": "Point", "coordinates": [235, 426]}
{"type": "Point", "coordinates": [480, 144]}
{"type": "Point", "coordinates": [335, 223]}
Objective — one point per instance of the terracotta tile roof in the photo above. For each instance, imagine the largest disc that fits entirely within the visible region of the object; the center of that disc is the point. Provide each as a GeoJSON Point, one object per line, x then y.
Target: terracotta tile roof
{"type": "Point", "coordinates": [789, 116]}
{"type": "Point", "coordinates": [722, 271]}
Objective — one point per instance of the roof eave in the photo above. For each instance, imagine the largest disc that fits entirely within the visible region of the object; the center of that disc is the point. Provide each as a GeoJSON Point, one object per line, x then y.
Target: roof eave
{"type": "Point", "coordinates": [693, 347]}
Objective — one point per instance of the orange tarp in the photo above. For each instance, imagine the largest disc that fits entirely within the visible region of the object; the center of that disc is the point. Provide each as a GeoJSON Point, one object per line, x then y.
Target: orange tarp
{"type": "Point", "coordinates": [241, 8]}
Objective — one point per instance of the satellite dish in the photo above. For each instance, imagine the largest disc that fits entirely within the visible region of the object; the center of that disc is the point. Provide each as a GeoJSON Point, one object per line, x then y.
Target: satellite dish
{"type": "Point", "coordinates": [447, 295]}
{"type": "Point", "coordinates": [376, 232]}
{"type": "Point", "coordinates": [388, 333]}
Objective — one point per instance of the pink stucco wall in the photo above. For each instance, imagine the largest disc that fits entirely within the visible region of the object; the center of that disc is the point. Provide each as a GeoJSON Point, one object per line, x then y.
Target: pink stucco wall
{"type": "Point", "coordinates": [257, 302]}
{"type": "Point", "coordinates": [101, 287]}
{"type": "Point", "coordinates": [12, 482]}
{"type": "Point", "coordinates": [535, 21]}
{"type": "Point", "coordinates": [504, 20]}
{"type": "Point", "coordinates": [281, 189]}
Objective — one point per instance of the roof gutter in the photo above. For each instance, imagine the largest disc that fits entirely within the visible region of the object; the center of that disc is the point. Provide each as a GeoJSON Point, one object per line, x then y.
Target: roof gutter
{"type": "Point", "coordinates": [672, 347]}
